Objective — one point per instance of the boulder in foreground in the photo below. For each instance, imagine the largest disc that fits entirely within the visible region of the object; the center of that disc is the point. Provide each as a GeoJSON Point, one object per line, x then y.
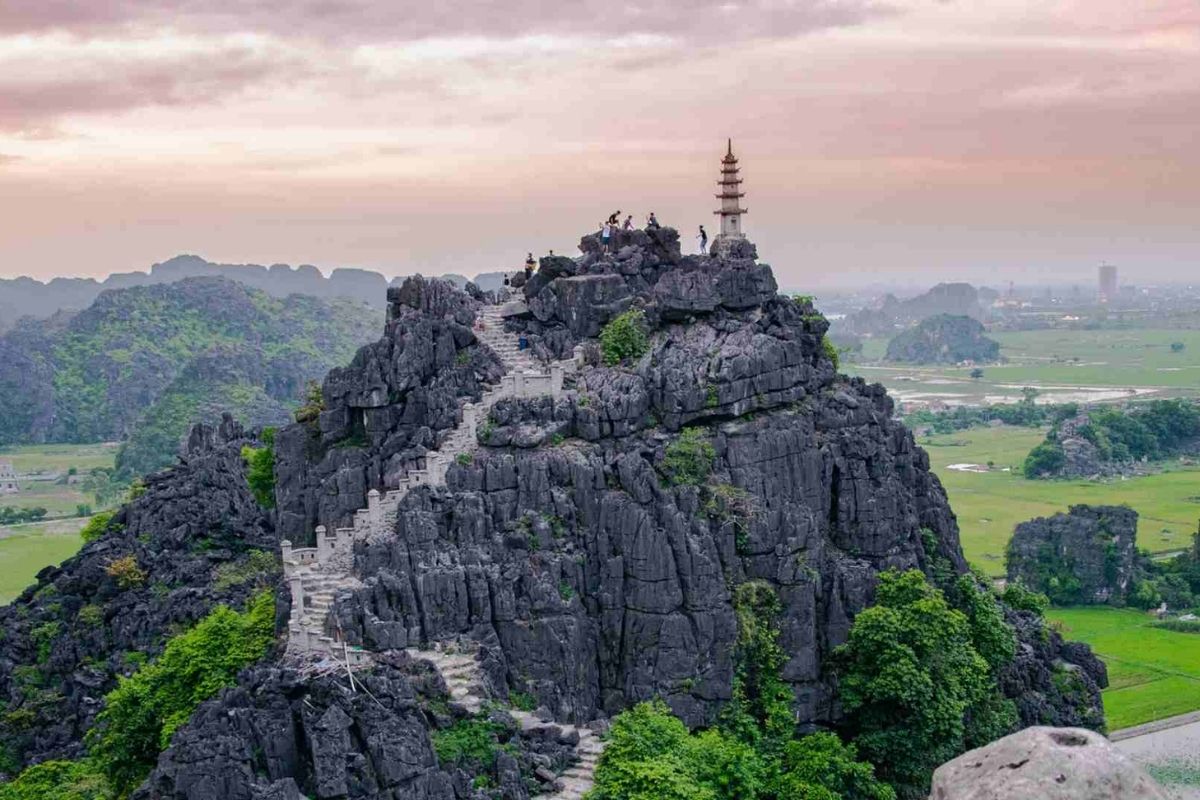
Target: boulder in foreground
{"type": "Point", "coordinates": [1048, 764]}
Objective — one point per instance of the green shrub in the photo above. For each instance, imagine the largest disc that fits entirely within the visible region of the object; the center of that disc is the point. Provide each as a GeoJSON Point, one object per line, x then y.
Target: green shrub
{"type": "Point", "coordinates": [57, 780]}
{"type": "Point", "coordinates": [314, 403]}
{"type": "Point", "coordinates": [91, 615]}
{"type": "Point", "coordinates": [468, 742]}
{"type": "Point", "coordinates": [1016, 596]}
{"type": "Point", "coordinates": [260, 468]}
{"type": "Point", "coordinates": [464, 459]}
{"type": "Point", "coordinates": [43, 637]}
{"type": "Point", "coordinates": [689, 459]}
{"type": "Point", "coordinates": [624, 337]}
{"type": "Point", "coordinates": [126, 572]}
{"type": "Point", "coordinates": [830, 350]}
{"type": "Point", "coordinates": [142, 713]}
{"type": "Point", "coordinates": [522, 701]}
{"type": "Point", "coordinates": [259, 566]}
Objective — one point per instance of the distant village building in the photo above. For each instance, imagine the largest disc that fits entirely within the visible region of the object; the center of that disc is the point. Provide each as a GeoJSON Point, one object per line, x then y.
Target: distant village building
{"type": "Point", "coordinates": [731, 194]}
{"type": "Point", "coordinates": [8, 478]}
{"type": "Point", "coordinates": [1108, 283]}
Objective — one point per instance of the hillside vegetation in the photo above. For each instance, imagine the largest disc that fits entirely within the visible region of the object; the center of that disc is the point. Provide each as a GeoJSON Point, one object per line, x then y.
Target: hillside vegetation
{"type": "Point", "coordinates": [144, 363]}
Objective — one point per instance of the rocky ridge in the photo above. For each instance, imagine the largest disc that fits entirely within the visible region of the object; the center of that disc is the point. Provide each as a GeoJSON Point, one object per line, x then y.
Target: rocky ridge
{"type": "Point", "coordinates": [68, 637]}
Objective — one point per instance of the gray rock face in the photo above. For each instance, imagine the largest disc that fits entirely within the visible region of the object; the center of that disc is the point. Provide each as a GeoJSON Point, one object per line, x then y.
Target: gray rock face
{"type": "Point", "coordinates": [1048, 764]}
{"type": "Point", "coordinates": [591, 582]}
{"type": "Point", "coordinates": [383, 411]}
{"type": "Point", "coordinates": [1095, 546]}
{"type": "Point", "coordinates": [1052, 682]}
{"type": "Point", "coordinates": [190, 520]}
{"type": "Point", "coordinates": [280, 734]}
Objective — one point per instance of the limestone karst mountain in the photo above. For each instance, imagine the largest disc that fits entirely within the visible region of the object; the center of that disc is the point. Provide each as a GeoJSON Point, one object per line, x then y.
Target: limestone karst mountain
{"type": "Point", "coordinates": [145, 363]}
{"type": "Point", "coordinates": [546, 534]}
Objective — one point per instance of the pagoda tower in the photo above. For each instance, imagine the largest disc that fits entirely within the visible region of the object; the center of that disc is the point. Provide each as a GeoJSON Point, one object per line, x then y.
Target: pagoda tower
{"type": "Point", "coordinates": [730, 196]}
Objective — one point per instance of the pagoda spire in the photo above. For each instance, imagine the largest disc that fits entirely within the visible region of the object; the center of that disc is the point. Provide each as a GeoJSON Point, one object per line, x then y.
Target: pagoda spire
{"type": "Point", "coordinates": [731, 195]}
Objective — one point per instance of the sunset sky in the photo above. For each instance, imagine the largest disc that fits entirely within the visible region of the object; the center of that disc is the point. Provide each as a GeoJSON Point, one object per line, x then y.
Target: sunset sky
{"type": "Point", "coordinates": [928, 139]}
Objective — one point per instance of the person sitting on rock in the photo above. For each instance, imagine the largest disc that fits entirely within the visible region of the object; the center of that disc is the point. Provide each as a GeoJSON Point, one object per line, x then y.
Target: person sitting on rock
{"type": "Point", "coordinates": [652, 222]}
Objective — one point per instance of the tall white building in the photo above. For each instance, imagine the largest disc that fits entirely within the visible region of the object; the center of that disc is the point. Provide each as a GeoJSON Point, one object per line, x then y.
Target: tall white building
{"type": "Point", "coordinates": [731, 196]}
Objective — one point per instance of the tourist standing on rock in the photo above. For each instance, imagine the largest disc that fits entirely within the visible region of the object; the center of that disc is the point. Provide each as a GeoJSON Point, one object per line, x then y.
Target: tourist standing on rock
{"type": "Point", "coordinates": [629, 223]}
{"type": "Point", "coordinates": [652, 222]}
{"type": "Point", "coordinates": [605, 234]}
{"type": "Point", "coordinates": [703, 237]}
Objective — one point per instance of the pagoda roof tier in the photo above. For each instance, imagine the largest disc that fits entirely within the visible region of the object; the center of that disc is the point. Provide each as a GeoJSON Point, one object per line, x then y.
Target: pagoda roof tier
{"type": "Point", "coordinates": [729, 183]}
{"type": "Point", "coordinates": [729, 212]}
{"type": "Point", "coordinates": [730, 194]}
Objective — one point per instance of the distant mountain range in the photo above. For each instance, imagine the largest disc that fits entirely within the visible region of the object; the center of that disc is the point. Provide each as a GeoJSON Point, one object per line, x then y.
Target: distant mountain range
{"type": "Point", "coordinates": [21, 297]}
{"type": "Point", "coordinates": [142, 364]}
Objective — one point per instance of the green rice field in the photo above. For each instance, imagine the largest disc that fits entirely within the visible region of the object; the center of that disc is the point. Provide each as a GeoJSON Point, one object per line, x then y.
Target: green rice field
{"type": "Point", "coordinates": [1153, 673]}
{"type": "Point", "coordinates": [989, 503]}
{"type": "Point", "coordinates": [26, 549]}
{"type": "Point", "coordinates": [1066, 365]}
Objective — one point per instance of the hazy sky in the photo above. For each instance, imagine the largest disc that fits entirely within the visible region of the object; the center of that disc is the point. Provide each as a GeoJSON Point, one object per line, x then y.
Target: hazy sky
{"type": "Point", "coordinates": [980, 139]}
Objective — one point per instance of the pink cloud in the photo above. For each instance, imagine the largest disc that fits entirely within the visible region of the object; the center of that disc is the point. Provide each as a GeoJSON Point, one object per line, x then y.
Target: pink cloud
{"type": "Point", "coordinates": [375, 21]}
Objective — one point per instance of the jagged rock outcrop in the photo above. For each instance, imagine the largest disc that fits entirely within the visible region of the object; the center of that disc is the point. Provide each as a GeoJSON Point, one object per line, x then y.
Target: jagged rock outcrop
{"type": "Point", "coordinates": [385, 410]}
{"type": "Point", "coordinates": [944, 339]}
{"type": "Point", "coordinates": [563, 548]}
{"type": "Point", "coordinates": [1048, 764]}
{"type": "Point", "coordinates": [67, 638]}
{"type": "Point", "coordinates": [281, 732]}
{"type": "Point", "coordinates": [1052, 681]}
{"type": "Point", "coordinates": [1088, 555]}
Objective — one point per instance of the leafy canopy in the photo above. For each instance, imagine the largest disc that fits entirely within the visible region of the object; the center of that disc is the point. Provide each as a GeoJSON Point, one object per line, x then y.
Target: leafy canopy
{"type": "Point", "coordinates": [916, 678]}
{"type": "Point", "coordinates": [752, 755]}
{"type": "Point", "coordinates": [142, 713]}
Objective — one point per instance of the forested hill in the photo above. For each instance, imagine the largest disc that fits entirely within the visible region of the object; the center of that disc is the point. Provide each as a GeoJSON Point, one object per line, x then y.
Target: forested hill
{"type": "Point", "coordinates": [144, 363]}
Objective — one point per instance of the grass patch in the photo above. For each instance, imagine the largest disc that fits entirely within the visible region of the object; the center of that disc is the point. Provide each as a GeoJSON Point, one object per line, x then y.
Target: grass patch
{"type": "Point", "coordinates": [27, 549]}
{"type": "Point", "coordinates": [1153, 672]}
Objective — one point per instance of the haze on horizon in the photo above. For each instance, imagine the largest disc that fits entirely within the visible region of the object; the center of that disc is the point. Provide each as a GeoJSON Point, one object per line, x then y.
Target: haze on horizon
{"type": "Point", "coordinates": [880, 141]}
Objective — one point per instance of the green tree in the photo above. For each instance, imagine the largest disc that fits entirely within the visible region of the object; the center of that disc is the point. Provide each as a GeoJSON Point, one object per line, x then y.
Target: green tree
{"type": "Point", "coordinates": [260, 468]}
{"type": "Point", "coordinates": [911, 682]}
{"type": "Point", "coordinates": [1045, 460]}
{"type": "Point", "coordinates": [142, 713]}
{"type": "Point", "coordinates": [624, 338]}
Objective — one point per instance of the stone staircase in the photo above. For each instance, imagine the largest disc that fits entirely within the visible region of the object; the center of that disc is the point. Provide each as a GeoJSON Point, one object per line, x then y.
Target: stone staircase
{"type": "Point", "coordinates": [503, 343]}
{"type": "Point", "coordinates": [458, 665]}
{"type": "Point", "coordinates": [317, 574]}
